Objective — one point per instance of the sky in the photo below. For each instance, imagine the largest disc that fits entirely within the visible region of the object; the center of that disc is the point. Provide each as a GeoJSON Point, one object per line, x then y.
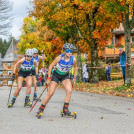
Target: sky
{"type": "Point", "coordinates": [19, 12]}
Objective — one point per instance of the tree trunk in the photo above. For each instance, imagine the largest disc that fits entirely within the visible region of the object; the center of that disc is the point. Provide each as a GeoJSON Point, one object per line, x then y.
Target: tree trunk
{"type": "Point", "coordinates": [94, 50]}
{"type": "Point", "coordinates": [128, 50]}
{"type": "Point", "coordinates": [79, 64]}
{"type": "Point", "coordinates": [94, 63]}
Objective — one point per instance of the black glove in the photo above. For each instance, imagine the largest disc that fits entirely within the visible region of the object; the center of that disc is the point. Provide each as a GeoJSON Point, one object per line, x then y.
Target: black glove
{"type": "Point", "coordinates": [37, 77]}
{"type": "Point", "coordinates": [13, 77]}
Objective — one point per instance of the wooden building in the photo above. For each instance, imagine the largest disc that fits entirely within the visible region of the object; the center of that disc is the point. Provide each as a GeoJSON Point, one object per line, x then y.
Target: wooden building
{"type": "Point", "coordinates": [6, 64]}
{"type": "Point", "coordinates": [118, 37]}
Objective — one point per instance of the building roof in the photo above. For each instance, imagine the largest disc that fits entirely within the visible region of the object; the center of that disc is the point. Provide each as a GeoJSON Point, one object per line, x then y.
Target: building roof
{"type": "Point", "coordinates": [10, 56]}
{"type": "Point", "coordinates": [120, 30]}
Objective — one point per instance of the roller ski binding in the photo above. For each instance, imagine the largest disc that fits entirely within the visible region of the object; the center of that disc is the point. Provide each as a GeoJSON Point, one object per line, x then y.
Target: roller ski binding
{"type": "Point", "coordinates": [12, 103]}
{"type": "Point", "coordinates": [35, 98]}
{"type": "Point", "coordinates": [27, 102]}
{"type": "Point", "coordinates": [39, 113]}
{"type": "Point", "coordinates": [67, 113]}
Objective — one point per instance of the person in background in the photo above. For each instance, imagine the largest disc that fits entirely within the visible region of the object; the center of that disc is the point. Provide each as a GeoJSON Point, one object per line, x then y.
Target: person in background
{"type": "Point", "coordinates": [108, 72]}
{"type": "Point", "coordinates": [85, 73]}
{"type": "Point", "coordinates": [42, 80]}
{"type": "Point", "coordinates": [72, 73]}
{"type": "Point", "coordinates": [122, 56]}
{"type": "Point", "coordinates": [36, 58]}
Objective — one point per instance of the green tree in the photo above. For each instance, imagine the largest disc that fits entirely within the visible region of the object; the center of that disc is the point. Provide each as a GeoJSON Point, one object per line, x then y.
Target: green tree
{"type": "Point", "coordinates": [4, 44]}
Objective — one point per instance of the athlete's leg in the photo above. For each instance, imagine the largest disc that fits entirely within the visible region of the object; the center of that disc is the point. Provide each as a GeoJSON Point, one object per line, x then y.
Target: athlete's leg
{"type": "Point", "coordinates": [29, 84]}
{"type": "Point", "coordinates": [34, 83]}
{"type": "Point", "coordinates": [28, 91]}
{"type": "Point", "coordinates": [68, 87]}
{"type": "Point", "coordinates": [50, 93]}
{"type": "Point", "coordinates": [17, 91]}
{"type": "Point", "coordinates": [19, 86]}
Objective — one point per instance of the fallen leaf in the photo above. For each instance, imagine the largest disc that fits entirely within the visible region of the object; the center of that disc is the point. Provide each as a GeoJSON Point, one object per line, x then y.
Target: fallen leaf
{"type": "Point", "coordinates": [50, 120]}
{"type": "Point", "coordinates": [101, 117]}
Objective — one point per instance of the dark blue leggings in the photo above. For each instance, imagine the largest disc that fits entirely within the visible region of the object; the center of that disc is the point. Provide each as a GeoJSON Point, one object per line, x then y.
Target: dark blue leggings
{"type": "Point", "coordinates": [124, 72]}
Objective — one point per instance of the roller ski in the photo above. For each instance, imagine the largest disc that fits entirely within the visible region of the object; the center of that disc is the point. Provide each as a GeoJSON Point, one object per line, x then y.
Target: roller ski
{"type": "Point", "coordinates": [12, 103]}
{"type": "Point", "coordinates": [40, 111]}
{"type": "Point", "coordinates": [68, 114]}
{"type": "Point", "coordinates": [27, 102]}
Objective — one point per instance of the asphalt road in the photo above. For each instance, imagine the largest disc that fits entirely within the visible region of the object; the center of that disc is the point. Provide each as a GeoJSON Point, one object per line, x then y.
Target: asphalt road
{"type": "Point", "coordinates": [97, 114]}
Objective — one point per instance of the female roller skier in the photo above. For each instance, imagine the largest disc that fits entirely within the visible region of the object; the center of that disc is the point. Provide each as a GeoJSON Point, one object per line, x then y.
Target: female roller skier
{"type": "Point", "coordinates": [63, 63]}
{"type": "Point", "coordinates": [25, 72]}
{"type": "Point", "coordinates": [36, 57]}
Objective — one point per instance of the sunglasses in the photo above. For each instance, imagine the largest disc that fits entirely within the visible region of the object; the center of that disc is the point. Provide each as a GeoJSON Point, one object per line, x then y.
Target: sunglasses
{"type": "Point", "coordinates": [69, 51]}
{"type": "Point", "coordinates": [29, 56]}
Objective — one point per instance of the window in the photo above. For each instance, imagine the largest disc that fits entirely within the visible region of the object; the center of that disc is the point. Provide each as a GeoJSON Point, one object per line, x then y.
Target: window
{"type": "Point", "coordinates": [8, 64]}
{"type": "Point", "coordinates": [9, 72]}
{"type": "Point", "coordinates": [1, 72]}
{"type": "Point", "coordinates": [133, 39]}
{"type": "Point", "coordinates": [9, 82]}
{"type": "Point", "coordinates": [1, 82]}
{"type": "Point", "coordinates": [116, 40]}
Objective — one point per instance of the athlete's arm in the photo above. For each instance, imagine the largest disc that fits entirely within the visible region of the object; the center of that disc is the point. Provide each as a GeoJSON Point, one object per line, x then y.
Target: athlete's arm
{"type": "Point", "coordinates": [75, 67]}
{"type": "Point", "coordinates": [36, 67]}
{"type": "Point", "coordinates": [19, 62]}
{"type": "Point", "coordinates": [53, 64]}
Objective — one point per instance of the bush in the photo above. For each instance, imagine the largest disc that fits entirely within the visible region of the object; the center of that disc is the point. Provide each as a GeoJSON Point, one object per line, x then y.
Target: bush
{"type": "Point", "coordinates": [115, 68]}
{"type": "Point", "coordinates": [110, 46]}
{"type": "Point", "coordinates": [101, 71]}
{"type": "Point", "coordinates": [119, 45]}
{"type": "Point", "coordinates": [82, 58]}
{"type": "Point", "coordinates": [132, 45]}
{"type": "Point", "coordinates": [102, 48]}
{"type": "Point", "coordinates": [102, 75]}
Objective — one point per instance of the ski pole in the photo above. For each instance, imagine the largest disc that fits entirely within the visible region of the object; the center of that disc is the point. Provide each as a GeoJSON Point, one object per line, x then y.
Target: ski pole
{"type": "Point", "coordinates": [38, 99]}
{"type": "Point", "coordinates": [33, 99]}
{"type": "Point", "coordinates": [9, 95]}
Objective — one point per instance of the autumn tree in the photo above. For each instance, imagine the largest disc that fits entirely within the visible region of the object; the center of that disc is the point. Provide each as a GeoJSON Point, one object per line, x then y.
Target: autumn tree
{"type": "Point", "coordinates": [125, 9]}
{"type": "Point", "coordinates": [63, 27]}
{"type": "Point", "coordinates": [34, 35]}
{"type": "Point", "coordinates": [91, 20]}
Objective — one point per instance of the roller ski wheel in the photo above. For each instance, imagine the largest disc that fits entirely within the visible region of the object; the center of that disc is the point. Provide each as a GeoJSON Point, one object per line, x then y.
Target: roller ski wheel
{"type": "Point", "coordinates": [10, 105]}
{"type": "Point", "coordinates": [39, 115]}
{"type": "Point", "coordinates": [28, 104]}
{"type": "Point", "coordinates": [69, 115]}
